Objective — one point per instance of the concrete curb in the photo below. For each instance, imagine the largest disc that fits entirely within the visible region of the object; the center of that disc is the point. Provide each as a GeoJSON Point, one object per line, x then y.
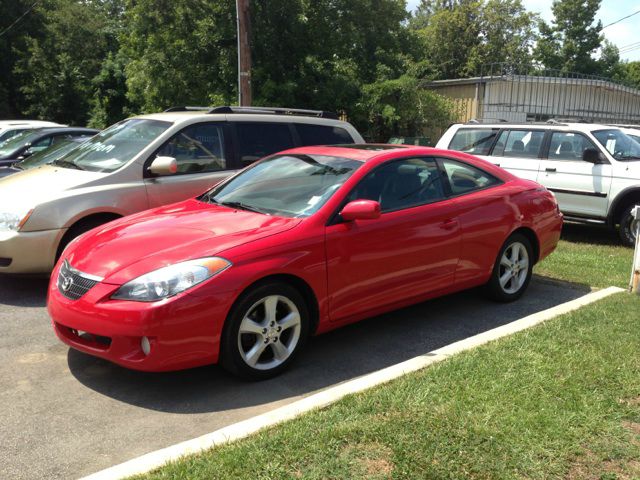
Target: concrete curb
{"type": "Point", "coordinates": [239, 430]}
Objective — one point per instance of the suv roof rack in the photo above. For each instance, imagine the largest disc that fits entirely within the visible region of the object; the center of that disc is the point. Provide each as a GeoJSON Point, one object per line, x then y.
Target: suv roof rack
{"type": "Point", "coordinates": [475, 121]}
{"type": "Point", "coordinates": [257, 110]}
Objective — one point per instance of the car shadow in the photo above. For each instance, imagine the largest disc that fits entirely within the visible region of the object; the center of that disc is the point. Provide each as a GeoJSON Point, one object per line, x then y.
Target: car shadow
{"type": "Point", "coordinates": [23, 291]}
{"type": "Point", "coordinates": [326, 360]}
{"type": "Point", "coordinates": [594, 234]}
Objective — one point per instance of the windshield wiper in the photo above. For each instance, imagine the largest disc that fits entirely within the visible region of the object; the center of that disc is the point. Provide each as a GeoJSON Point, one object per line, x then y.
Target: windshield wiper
{"type": "Point", "coordinates": [66, 164]}
{"type": "Point", "coordinates": [240, 206]}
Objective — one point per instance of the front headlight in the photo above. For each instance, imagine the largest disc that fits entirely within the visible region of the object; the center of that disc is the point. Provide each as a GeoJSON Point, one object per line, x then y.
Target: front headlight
{"type": "Point", "coordinates": [13, 221]}
{"type": "Point", "coordinates": [169, 281]}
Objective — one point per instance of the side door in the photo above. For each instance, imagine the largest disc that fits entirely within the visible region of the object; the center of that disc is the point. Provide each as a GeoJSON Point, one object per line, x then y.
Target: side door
{"type": "Point", "coordinates": [255, 140]}
{"type": "Point", "coordinates": [582, 188]}
{"type": "Point", "coordinates": [412, 249]}
{"type": "Point", "coordinates": [201, 151]}
{"type": "Point", "coordinates": [517, 150]}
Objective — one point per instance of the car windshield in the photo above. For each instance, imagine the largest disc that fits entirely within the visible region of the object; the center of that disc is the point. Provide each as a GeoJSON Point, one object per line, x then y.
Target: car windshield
{"type": "Point", "coordinates": [19, 140]}
{"type": "Point", "coordinates": [59, 149]}
{"type": "Point", "coordinates": [7, 134]}
{"type": "Point", "coordinates": [620, 145]}
{"type": "Point", "coordinates": [285, 185]}
{"type": "Point", "coordinates": [115, 146]}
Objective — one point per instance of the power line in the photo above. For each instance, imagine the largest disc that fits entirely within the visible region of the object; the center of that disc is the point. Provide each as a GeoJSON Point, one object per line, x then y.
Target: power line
{"type": "Point", "coordinates": [619, 20]}
{"type": "Point", "coordinates": [19, 18]}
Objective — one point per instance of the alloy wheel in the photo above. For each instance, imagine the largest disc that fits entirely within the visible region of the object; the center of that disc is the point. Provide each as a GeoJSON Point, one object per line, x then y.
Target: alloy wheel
{"type": "Point", "coordinates": [514, 267]}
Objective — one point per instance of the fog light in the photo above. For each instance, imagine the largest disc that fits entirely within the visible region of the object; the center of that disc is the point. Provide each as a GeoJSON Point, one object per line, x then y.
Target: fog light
{"type": "Point", "coordinates": [145, 345]}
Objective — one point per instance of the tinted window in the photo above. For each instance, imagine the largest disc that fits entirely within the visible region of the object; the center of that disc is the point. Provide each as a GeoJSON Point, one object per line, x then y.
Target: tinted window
{"type": "Point", "coordinates": [618, 144]}
{"type": "Point", "coordinates": [285, 185]}
{"type": "Point", "coordinates": [519, 143]}
{"type": "Point", "coordinates": [259, 139]}
{"type": "Point", "coordinates": [464, 178]}
{"type": "Point", "coordinates": [476, 141]}
{"type": "Point", "coordinates": [402, 184]}
{"type": "Point", "coordinates": [568, 146]}
{"type": "Point", "coordinates": [322, 135]}
{"type": "Point", "coordinates": [197, 148]}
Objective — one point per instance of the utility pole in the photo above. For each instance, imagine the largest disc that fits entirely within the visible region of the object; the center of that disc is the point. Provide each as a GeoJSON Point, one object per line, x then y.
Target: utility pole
{"type": "Point", "coordinates": [244, 52]}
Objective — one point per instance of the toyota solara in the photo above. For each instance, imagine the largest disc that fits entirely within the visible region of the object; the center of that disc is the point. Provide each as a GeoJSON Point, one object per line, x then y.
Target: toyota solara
{"type": "Point", "coordinates": [297, 244]}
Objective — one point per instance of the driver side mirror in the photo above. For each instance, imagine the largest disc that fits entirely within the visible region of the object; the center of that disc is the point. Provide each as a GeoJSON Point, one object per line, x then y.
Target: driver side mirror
{"type": "Point", "coordinates": [592, 155]}
{"type": "Point", "coordinates": [360, 210]}
{"type": "Point", "coordinates": [163, 166]}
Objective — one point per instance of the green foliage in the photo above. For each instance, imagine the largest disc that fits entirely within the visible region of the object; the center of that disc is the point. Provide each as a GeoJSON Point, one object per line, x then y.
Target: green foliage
{"type": "Point", "coordinates": [573, 38]}
{"type": "Point", "coordinates": [458, 38]}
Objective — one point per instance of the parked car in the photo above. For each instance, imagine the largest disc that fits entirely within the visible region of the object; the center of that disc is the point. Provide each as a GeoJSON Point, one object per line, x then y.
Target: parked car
{"type": "Point", "coordinates": [59, 149]}
{"type": "Point", "coordinates": [299, 243]}
{"type": "Point", "coordinates": [594, 170]}
{"type": "Point", "coordinates": [139, 163]}
{"type": "Point", "coordinates": [28, 142]}
{"type": "Point", "coordinates": [8, 128]}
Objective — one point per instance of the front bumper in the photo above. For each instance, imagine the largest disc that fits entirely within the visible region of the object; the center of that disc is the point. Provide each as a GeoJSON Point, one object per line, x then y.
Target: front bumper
{"type": "Point", "coordinates": [183, 331]}
{"type": "Point", "coordinates": [29, 252]}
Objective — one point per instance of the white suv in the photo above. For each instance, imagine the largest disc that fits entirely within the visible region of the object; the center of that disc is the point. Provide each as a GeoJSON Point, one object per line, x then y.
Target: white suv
{"type": "Point", "coordinates": [140, 163]}
{"type": "Point", "coordinates": [8, 128]}
{"type": "Point", "coordinates": [594, 170]}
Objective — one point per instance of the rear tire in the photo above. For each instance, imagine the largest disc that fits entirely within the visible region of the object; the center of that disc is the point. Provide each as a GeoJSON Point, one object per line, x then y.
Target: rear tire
{"type": "Point", "coordinates": [626, 230]}
{"type": "Point", "coordinates": [512, 270]}
{"type": "Point", "coordinates": [264, 331]}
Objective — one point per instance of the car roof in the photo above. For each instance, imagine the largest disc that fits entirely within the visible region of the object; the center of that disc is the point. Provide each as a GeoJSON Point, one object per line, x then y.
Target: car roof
{"type": "Point", "coordinates": [189, 116]}
{"type": "Point", "coordinates": [53, 130]}
{"type": "Point", "coordinates": [27, 123]}
{"type": "Point", "coordinates": [575, 126]}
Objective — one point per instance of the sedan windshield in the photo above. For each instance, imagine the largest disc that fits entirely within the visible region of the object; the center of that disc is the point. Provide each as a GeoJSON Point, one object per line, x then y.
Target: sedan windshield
{"type": "Point", "coordinates": [620, 145]}
{"type": "Point", "coordinates": [285, 185]}
{"type": "Point", "coordinates": [16, 142]}
{"type": "Point", "coordinates": [115, 146]}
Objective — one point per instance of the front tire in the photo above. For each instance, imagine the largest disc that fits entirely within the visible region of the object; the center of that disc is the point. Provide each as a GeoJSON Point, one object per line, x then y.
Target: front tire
{"type": "Point", "coordinates": [264, 331]}
{"type": "Point", "coordinates": [627, 229]}
{"type": "Point", "coordinates": [512, 270]}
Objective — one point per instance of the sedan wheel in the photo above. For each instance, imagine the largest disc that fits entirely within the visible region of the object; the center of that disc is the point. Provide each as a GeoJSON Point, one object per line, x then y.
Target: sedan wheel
{"type": "Point", "coordinates": [512, 269]}
{"type": "Point", "coordinates": [264, 331]}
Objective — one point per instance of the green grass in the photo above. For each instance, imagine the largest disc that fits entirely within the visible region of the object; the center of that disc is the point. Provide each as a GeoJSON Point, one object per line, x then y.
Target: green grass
{"type": "Point", "coordinates": [590, 256]}
{"type": "Point", "coordinates": [559, 401]}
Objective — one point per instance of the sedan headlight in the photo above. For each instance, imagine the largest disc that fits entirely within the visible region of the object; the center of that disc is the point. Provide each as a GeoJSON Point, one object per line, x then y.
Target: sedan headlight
{"type": "Point", "coordinates": [169, 281]}
{"type": "Point", "coordinates": [13, 221]}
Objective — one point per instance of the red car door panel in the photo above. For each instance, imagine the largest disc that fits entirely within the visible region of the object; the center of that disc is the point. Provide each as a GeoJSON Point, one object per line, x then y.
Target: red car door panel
{"type": "Point", "coordinates": [402, 254]}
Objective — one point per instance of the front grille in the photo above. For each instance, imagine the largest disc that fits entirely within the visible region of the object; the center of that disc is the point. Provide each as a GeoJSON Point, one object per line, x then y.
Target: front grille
{"type": "Point", "coordinates": [73, 284]}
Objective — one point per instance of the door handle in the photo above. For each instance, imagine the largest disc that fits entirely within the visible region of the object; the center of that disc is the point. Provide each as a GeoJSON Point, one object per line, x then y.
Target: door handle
{"type": "Point", "coordinates": [449, 224]}
{"type": "Point", "coordinates": [550, 169]}
{"type": "Point", "coordinates": [497, 164]}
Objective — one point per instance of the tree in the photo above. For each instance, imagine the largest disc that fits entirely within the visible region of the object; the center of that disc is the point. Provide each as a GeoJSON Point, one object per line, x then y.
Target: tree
{"type": "Point", "coordinates": [573, 38]}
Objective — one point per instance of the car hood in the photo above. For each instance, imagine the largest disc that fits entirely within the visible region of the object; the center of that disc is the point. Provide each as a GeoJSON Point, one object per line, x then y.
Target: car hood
{"type": "Point", "coordinates": [125, 249]}
{"type": "Point", "coordinates": [28, 188]}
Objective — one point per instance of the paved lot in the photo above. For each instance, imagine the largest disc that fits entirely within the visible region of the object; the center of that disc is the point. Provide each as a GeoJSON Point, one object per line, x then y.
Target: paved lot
{"type": "Point", "coordinates": [64, 414]}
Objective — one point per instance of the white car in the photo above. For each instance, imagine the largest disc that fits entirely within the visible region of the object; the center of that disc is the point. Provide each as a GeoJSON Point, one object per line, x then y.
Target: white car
{"type": "Point", "coordinates": [593, 169]}
{"type": "Point", "coordinates": [8, 128]}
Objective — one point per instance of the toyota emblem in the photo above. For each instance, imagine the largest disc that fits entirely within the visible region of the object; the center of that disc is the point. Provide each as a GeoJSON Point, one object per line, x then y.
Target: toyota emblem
{"type": "Point", "coordinates": [66, 283]}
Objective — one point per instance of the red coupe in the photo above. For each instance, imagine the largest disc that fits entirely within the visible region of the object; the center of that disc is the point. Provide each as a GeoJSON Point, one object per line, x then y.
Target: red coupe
{"type": "Point", "coordinates": [297, 244]}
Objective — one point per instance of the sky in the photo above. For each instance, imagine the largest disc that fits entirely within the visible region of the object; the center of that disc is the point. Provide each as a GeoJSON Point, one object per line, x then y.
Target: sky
{"type": "Point", "coordinates": [621, 34]}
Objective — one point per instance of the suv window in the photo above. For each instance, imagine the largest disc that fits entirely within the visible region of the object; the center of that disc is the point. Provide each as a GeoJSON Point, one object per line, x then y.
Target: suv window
{"type": "Point", "coordinates": [519, 143]}
{"type": "Point", "coordinates": [197, 148]}
{"type": "Point", "coordinates": [476, 141]}
{"type": "Point", "coordinates": [402, 184]}
{"type": "Point", "coordinates": [464, 178]}
{"type": "Point", "coordinates": [259, 139]}
{"type": "Point", "coordinates": [322, 135]}
{"type": "Point", "coordinates": [568, 146]}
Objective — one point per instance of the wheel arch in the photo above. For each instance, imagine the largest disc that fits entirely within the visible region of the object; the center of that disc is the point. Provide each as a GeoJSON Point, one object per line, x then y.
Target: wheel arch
{"type": "Point", "coordinates": [97, 218]}
{"type": "Point", "coordinates": [621, 202]}
{"type": "Point", "coordinates": [300, 285]}
{"type": "Point", "coordinates": [533, 239]}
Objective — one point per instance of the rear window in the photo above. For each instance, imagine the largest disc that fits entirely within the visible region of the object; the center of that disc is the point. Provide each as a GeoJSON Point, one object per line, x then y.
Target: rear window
{"type": "Point", "coordinates": [519, 143]}
{"type": "Point", "coordinates": [476, 141]}
{"type": "Point", "coordinates": [322, 135]}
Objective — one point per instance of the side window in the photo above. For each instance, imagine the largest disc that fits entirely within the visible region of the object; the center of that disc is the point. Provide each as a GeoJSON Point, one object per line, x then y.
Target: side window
{"type": "Point", "coordinates": [463, 178]}
{"type": "Point", "coordinates": [402, 184]}
{"type": "Point", "coordinates": [519, 143]}
{"type": "Point", "coordinates": [476, 141]}
{"type": "Point", "coordinates": [259, 139]}
{"type": "Point", "coordinates": [197, 148]}
{"type": "Point", "coordinates": [41, 145]}
{"type": "Point", "coordinates": [568, 146]}
{"type": "Point", "coordinates": [322, 135]}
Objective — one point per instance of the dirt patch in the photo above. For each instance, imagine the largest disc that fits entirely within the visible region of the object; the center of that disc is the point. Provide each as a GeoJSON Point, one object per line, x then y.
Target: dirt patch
{"type": "Point", "coordinates": [631, 402]}
{"type": "Point", "coordinates": [369, 460]}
